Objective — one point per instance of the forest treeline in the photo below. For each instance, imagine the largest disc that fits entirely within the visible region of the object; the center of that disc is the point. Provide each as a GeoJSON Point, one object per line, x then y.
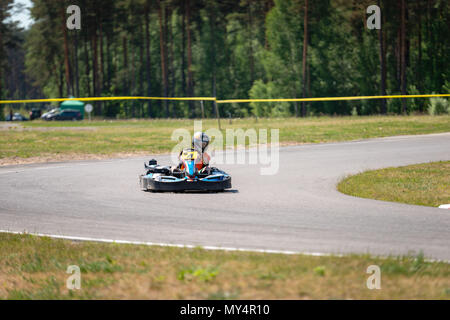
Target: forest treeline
{"type": "Point", "coordinates": [229, 49]}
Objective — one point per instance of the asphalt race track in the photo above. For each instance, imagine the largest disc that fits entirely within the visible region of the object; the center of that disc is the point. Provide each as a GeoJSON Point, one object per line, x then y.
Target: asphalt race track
{"type": "Point", "coordinates": [297, 210]}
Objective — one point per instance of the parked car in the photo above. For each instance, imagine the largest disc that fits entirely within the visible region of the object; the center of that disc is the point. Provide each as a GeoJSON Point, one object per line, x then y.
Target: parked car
{"type": "Point", "coordinates": [53, 111]}
{"type": "Point", "coordinates": [35, 113]}
{"type": "Point", "coordinates": [16, 117]}
{"type": "Point", "coordinates": [66, 114]}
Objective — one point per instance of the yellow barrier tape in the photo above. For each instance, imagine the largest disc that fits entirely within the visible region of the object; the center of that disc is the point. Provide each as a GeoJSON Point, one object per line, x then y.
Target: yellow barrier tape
{"type": "Point", "coordinates": [225, 101]}
{"type": "Point", "coordinates": [335, 98]}
{"type": "Point", "coordinates": [183, 98]}
{"type": "Point", "coordinates": [106, 99]}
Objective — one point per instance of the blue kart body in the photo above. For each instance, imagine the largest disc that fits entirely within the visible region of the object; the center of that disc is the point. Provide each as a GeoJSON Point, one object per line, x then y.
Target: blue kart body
{"type": "Point", "coordinates": [164, 178]}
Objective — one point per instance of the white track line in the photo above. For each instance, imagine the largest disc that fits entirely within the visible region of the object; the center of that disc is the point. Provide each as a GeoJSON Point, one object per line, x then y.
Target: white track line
{"type": "Point", "coordinates": [190, 246]}
{"type": "Point", "coordinates": [159, 244]}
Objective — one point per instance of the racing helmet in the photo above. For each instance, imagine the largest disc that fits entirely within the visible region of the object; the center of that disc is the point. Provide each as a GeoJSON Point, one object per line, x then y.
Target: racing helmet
{"type": "Point", "coordinates": [200, 141]}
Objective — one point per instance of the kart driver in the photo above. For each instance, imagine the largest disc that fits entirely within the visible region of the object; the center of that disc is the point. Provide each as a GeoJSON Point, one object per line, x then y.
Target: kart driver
{"type": "Point", "coordinates": [200, 142]}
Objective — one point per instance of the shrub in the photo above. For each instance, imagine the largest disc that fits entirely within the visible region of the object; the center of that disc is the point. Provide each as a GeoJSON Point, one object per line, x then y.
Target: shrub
{"type": "Point", "coordinates": [438, 105]}
{"type": "Point", "coordinates": [415, 104]}
{"type": "Point", "coordinates": [203, 274]}
{"type": "Point", "coordinates": [320, 271]}
{"type": "Point", "coordinates": [269, 90]}
{"type": "Point", "coordinates": [394, 105]}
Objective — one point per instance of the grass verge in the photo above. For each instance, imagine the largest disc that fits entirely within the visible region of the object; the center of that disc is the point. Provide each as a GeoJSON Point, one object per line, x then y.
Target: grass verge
{"type": "Point", "coordinates": [35, 268]}
{"type": "Point", "coordinates": [424, 184]}
{"type": "Point", "coordinates": [44, 141]}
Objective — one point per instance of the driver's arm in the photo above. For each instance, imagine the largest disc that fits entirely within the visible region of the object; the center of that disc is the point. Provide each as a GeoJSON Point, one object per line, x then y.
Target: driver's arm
{"type": "Point", "coordinates": [179, 160]}
{"type": "Point", "coordinates": [205, 159]}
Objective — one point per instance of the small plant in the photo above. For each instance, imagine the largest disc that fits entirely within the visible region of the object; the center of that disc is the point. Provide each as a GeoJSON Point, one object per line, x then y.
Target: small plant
{"type": "Point", "coordinates": [108, 266]}
{"type": "Point", "coordinates": [418, 263]}
{"type": "Point", "coordinates": [320, 271]}
{"type": "Point", "coordinates": [438, 106]}
{"type": "Point", "coordinates": [354, 112]}
{"type": "Point", "coordinates": [202, 274]}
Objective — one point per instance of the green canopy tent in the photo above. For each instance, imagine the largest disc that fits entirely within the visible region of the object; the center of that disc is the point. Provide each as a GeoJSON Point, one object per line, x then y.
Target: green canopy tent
{"type": "Point", "coordinates": [73, 105]}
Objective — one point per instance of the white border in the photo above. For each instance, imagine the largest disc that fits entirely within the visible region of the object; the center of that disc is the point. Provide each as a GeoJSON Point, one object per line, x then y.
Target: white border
{"type": "Point", "coordinates": [190, 246]}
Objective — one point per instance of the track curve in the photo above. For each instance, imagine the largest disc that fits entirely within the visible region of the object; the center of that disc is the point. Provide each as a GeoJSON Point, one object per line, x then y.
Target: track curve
{"type": "Point", "coordinates": [297, 210]}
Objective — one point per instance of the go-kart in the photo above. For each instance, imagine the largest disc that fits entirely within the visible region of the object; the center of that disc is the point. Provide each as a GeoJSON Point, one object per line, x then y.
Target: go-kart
{"type": "Point", "coordinates": [184, 177]}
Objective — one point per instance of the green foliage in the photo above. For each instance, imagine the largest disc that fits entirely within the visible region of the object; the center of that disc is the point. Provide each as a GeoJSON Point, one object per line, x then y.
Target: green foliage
{"type": "Point", "coordinates": [203, 274]}
{"type": "Point", "coordinates": [237, 49]}
{"type": "Point", "coordinates": [446, 87]}
{"type": "Point", "coordinates": [438, 106]}
{"type": "Point", "coordinates": [268, 90]}
{"type": "Point", "coordinates": [415, 104]}
{"type": "Point", "coordinates": [320, 271]}
{"type": "Point", "coordinates": [108, 266]}
{"type": "Point", "coordinates": [393, 105]}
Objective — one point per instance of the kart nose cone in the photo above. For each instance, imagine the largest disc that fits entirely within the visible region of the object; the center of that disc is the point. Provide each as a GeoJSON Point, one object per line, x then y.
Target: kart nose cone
{"type": "Point", "coordinates": [190, 169]}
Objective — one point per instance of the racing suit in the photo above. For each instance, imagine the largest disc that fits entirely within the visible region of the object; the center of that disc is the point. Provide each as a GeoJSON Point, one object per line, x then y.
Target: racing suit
{"type": "Point", "coordinates": [202, 161]}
